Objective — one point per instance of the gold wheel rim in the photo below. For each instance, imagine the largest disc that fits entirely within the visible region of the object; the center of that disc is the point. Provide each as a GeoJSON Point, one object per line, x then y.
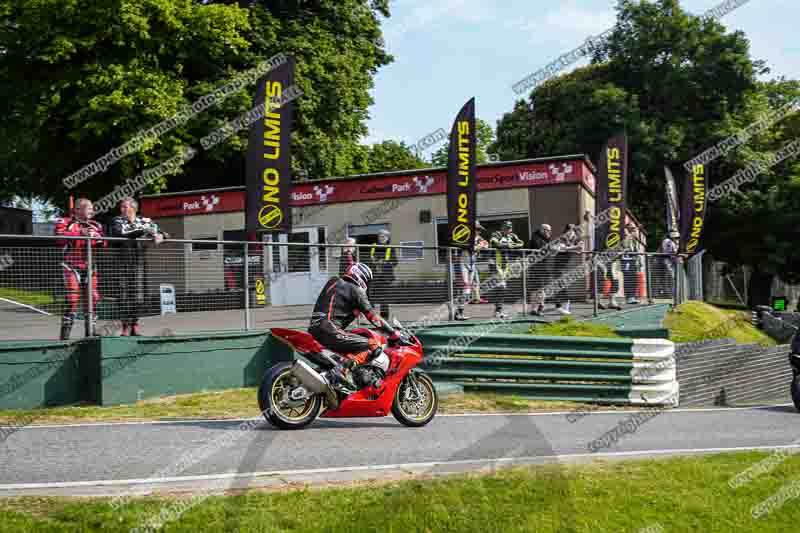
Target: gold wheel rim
{"type": "Point", "coordinates": [427, 389]}
{"type": "Point", "coordinates": [294, 414]}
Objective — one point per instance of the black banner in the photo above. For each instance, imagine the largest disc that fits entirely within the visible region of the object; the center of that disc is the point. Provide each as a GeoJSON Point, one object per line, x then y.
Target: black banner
{"type": "Point", "coordinates": [269, 176]}
{"type": "Point", "coordinates": [693, 208]}
{"type": "Point", "coordinates": [461, 179]}
{"type": "Point", "coordinates": [612, 184]}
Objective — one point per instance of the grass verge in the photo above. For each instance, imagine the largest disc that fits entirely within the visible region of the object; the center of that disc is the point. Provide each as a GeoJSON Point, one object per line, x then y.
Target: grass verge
{"type": "Point", "coordinates": [569, 327]}
{"type": "Point", "coordinates": [695, 321]}
{"type": "Point", "coordinates": [242, 403]}
{"type": "Point", "coordinates": [677, 494]}
{"type": "Point", "coordinates": [35, 299]}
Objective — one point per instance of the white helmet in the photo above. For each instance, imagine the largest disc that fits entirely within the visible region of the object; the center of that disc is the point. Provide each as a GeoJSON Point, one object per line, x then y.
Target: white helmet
{"type": "Point", "coordinates": [360, 274]}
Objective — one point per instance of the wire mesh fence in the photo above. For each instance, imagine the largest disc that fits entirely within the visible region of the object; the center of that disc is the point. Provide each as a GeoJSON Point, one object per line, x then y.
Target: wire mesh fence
{"type": "Point", "coordinates": [140, 287]}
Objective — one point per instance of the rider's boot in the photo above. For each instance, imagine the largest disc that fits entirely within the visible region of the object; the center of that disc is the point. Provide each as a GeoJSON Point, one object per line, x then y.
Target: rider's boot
{"type": "Point", "coordinates": [66, 325]}
{"type": "Point", "coordinates": [340, 374]}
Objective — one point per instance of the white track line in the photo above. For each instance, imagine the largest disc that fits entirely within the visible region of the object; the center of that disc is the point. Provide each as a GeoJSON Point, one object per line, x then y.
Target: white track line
{"type": "Point", "coordinates": [25, 305]}
{"type": "Point", "coordinates": [398, 466]}
{"type": "Point", "coordinates": [556, 413]}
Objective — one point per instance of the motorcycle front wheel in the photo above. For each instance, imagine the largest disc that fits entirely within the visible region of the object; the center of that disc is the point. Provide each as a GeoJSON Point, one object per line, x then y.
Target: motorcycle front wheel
{"type": "Point", "coordinates": [276, 404]}
{"type": "Point", "coordinates": [415, 402]}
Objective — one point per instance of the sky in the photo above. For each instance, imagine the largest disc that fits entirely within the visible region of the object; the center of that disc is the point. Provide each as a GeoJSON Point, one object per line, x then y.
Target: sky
{"type": "Point", "coordinates": [447, 51]}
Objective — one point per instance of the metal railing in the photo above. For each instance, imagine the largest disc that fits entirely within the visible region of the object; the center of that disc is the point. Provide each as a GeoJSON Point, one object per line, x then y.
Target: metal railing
{"type": "Point", "coordinates": [207, 285]}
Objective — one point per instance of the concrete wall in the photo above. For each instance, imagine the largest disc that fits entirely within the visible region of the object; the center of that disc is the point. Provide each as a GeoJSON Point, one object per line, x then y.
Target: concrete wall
{"type": "Point", "coordinates": [725, 373]}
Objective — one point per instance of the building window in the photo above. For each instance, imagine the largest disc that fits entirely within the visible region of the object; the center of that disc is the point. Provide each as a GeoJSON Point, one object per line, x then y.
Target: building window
{"type": "Point", "coordinates": [412, 254]}
{"type": "Point", "coordinates": [197, 246]}
{"type": "Point", "coordinates": [492, 223]}
{"type": "Point", "coordinates": [366, 233]}
{"type": "Point", "coordinates": [234, 235]}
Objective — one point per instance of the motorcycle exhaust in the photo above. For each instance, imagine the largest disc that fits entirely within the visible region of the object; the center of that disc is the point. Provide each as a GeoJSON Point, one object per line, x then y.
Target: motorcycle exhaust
{"type": "Point", "coordinates": [310, 378]}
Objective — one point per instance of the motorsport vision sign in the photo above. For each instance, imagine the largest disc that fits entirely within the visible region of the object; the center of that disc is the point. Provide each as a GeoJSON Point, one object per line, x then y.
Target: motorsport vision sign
{"type": "Point", "coordinates": [268, 171]}
{"type": "Point", "coordinates": [461, 179]}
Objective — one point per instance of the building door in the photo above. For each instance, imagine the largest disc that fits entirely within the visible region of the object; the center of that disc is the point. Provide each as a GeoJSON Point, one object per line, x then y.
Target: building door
{"type": "Point", "coordinates": [296, 278]}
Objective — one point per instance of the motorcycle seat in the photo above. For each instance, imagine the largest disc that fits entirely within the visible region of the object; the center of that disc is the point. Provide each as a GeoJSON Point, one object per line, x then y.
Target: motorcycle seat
{"type": "Point", "coordinates": [300, 340]}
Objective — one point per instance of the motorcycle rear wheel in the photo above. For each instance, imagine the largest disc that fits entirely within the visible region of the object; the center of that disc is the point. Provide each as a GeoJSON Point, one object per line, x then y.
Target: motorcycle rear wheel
{"type": "Point", "coordinates": [795, 390]}
{"type": "Point", "coordinates": [278, 380]}
{"type": "Point", "coordinates": [410, 410]}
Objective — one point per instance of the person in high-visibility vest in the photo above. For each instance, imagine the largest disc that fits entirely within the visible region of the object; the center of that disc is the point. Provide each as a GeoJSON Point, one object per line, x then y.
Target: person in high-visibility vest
{"type": "Point", "coordinates": [382, 259]}
{"type": "Point", "coordinates": [504, 241]}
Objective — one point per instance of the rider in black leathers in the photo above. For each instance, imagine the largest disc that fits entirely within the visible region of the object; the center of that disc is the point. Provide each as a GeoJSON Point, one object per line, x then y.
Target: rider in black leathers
{"type": "Point", "coordinates": [340, 302]}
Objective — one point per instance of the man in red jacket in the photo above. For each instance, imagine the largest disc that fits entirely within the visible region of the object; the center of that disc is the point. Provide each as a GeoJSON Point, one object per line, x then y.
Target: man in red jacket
{"type": "Point", "coordinates": [80, 224]}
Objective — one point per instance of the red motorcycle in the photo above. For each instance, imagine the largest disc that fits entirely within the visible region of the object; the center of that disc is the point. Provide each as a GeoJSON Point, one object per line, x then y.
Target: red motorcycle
{"type": "Point", "coordinates": [294, 394]}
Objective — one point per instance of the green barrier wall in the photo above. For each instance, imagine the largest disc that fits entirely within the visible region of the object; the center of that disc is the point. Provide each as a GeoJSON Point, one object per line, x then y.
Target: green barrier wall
{"type": "Point", "coordinates": [36, 373]}
{"type": "Point", "coordinates": [116, 370]}
{"type": "Point", "coordinates": [602, 370]}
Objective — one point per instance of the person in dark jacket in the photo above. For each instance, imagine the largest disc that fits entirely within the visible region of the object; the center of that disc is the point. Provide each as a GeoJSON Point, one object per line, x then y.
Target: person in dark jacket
{"type": "Point", "coordinates": [129, 259]}
{"type": "Point", "coordinates": [540, 274]}
{"type": "Point", "coordinates": [563, 262]}
{"type": "Point", "coordinates": [382, 260]}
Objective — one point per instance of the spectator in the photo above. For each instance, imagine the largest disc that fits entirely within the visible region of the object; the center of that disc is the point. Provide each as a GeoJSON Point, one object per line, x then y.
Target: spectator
{"type": "Point", "coordinates": [348, 257]}
{"type": "Point", "coordinates": [504, 240]}
{"type": "Point", "coordinates": [470, 277]}
{"type": "Point", "coordinates": [569, 243]}
{"type": "Point", "coordinates": [383, 260]}
{"type": "Point", "coordinates": [631, 263]}
{"type": "Point", "coordinates": [129, 257]}
{"type": "Point", "coordinates": [540, 240]}
{"type": "Point", "coordinates": [668, 262]}
{"type": "Point", "coordinates": [75, 265]}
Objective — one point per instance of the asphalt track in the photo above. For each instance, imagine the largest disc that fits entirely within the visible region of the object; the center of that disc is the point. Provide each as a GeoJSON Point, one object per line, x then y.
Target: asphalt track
{"type": "Point", "coordinates": [120, 458]}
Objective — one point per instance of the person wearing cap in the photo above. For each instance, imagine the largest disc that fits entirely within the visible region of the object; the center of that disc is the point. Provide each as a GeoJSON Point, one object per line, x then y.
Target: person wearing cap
{"type": "Point", "coordinates": [382, 260]}
{"type": "Point", "coordinates": [504, 241]}
{"type": "Point", "coordinates": [669, 246]}
{"type": "Point", "coordinates": [540, 274]}
{"type": "Point", "coordinates": [470, 277]}
{"type": "Point", "coordinates": [631, 263]}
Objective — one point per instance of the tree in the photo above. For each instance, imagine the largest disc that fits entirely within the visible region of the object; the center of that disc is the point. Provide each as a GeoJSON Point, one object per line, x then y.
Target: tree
{"type": "Point", "coordinates": [758, 226]}
{"type": "Point", "coordinates": [674, 81]}
{"type": "Point", "coordinates": [393, 155]}
{"type": "Point", "coordinates": [485, 139]}
{"type": "Point", "coordinates": [79, 78]}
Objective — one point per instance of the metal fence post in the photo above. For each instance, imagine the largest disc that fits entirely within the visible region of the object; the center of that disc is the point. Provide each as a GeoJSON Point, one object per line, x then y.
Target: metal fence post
{"type": "Point", "coordinates": [524, 283]}
{"type": "Point", "coordinates": [246, 286]}
{"type": "Point", "coordinates": [450, 281]}
{"type": "Point", "coordinates": [648, 278]}
{"type": "Point", "coordinates": [89, 316]}
{"type": "Point", "coordinates": [593, 262]}
{"type": "Point", "coordinates": [357, 260]}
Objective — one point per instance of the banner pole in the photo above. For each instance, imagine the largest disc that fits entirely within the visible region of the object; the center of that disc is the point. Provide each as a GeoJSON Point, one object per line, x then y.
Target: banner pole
{"type": "Point", "coordinates": [247, 286]}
